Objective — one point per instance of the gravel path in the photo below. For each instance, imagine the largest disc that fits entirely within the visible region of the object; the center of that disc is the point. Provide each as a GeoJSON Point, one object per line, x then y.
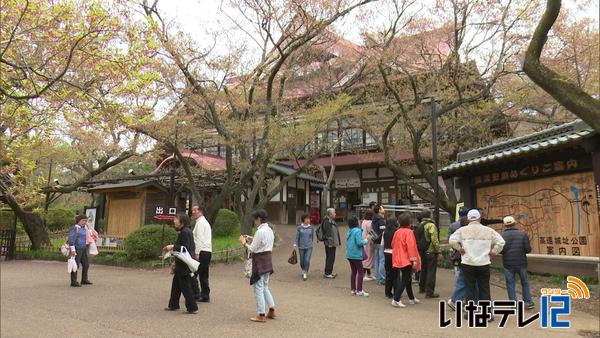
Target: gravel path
{"type": "Point", "coordinates": [36, 301]}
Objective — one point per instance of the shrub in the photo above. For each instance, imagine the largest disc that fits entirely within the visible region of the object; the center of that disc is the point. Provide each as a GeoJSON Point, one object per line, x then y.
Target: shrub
{"type": "Point", "coordinates": [6, 219]}
{"type": "Point", "coordinates": [59, 218]}
{"type": "Point", "coordinates": [145, 242]}
{"type": "Point", "coordinates": [226, 224]}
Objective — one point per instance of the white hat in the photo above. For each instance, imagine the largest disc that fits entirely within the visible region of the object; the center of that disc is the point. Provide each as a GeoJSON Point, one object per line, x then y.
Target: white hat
{"type": "Point", "coordinates": [509, 220]}
{"type": "Point", "coordinates": [473, 215]}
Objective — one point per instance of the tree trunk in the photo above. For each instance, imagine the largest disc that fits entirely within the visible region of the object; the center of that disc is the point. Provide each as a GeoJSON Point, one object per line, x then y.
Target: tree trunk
{"type": "Point", "coordinates": [32, 222]}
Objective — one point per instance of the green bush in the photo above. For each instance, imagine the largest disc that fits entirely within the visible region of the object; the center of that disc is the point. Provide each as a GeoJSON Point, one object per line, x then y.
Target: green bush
{"type": "Point", "coordinates": [6, 219]}
{"type": "Point", "coordinates": [226, 224]}
{"type": "Point", "coordinates": [59, 219]}
{"type": "Point", "coordinates": [145, 242]}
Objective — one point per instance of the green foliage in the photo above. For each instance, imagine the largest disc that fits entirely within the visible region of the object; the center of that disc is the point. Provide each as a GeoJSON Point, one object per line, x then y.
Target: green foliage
{"type": "Point", "coordinates": [226, 224]}
{"type": "Point", "coordinates": [6, 219]}
{"type": "Point", "coordinates": [145, 242]}
{"type": "Point", "coordinates": [59, 219]}
{"type": "Point", "coordinates": [445, 262]}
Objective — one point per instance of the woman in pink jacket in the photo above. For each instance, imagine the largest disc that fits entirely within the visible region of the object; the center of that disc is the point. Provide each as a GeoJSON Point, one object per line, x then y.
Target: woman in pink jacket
{"type": "Point", "coordinates": [405, 259]}
{"type": "Point", "coordinates": [369, 248]}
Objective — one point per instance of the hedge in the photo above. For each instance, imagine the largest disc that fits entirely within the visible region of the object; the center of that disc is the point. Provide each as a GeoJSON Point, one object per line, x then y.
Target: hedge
{"type": "Point", "coordinates": [145, 242]}
{"type": "Point", "coordinates": [59, 219]}
{"type": "Point", "coordinates": [226, 224]}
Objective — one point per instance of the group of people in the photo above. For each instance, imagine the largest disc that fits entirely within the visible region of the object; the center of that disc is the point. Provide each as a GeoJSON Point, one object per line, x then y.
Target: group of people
{"type": "Point", "coordinates": [392, 251]}
{"type": "Point", "coordinates": [192, 284]}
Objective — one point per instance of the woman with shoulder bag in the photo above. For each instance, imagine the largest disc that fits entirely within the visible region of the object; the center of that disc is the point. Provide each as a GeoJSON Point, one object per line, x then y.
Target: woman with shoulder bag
{"type": "Point", "coordinates": [304, 243]}
{"type": "Point", "coordinates": [78, 249]}
{"type": "Point", "coordinates": [182, 281]}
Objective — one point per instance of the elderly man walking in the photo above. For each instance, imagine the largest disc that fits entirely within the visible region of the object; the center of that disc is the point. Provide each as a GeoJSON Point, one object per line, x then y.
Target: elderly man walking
{"type": "Point", "coordinates": [203, 241]}
{"type": "Point", "coordinates": [514, 259]}
{"type": "Point", "coordinates": [475, 242]}
{"type": "Point", "coordinates": [331, 236]}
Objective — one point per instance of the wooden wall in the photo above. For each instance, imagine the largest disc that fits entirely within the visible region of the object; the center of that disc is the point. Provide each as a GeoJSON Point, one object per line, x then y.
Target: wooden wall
{"type": "Point", "coordinates": [125, 212]}
{"type": "Point", "coordinates": [560, 214]}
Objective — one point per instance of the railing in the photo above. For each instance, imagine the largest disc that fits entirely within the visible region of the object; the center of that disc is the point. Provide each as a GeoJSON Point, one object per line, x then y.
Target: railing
{"type": "Point", "coordinates": [7, 243]}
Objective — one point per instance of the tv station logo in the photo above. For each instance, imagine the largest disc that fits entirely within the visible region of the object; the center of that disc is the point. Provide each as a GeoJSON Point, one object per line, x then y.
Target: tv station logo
{"type": "Point", "coordinates": [555, 307]}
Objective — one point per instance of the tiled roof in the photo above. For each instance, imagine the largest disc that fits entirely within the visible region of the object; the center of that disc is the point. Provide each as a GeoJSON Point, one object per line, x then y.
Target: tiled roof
{"type": "Point", "coordinates": [554, 137]}
{"type": "Point", "coordinates": [127, 184]}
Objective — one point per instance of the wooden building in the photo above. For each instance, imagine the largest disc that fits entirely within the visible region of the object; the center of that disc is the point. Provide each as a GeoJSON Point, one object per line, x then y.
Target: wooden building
{"type": "Point", "coordinates": [549, 181]}
{"type": "Point", "coordinates": [130, 204]}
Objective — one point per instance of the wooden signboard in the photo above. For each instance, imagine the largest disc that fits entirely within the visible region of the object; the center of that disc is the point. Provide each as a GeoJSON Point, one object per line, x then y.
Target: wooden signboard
{"type": "Point", "coordinates": [559, 213]}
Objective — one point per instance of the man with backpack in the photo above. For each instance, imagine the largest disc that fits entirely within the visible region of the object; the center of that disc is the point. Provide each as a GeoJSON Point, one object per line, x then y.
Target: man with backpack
{"type": "Point", "coordinates": [428, 243]}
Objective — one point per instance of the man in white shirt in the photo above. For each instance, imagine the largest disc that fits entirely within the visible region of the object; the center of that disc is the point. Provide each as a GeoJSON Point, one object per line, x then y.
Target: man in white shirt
{"type": "Point", "coordinates": [203, 241]}
{"type": "Point", "coordinates": [475, 242]}
{"type": "Point", "coordinates": [262, 265]}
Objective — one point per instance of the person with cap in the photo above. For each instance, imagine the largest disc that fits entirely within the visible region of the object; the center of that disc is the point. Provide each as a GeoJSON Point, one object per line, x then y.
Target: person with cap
{"type": "Point", "coordinates": [514, 259]}
{"type": "Point", "coordinates": [459, 280]}
{"type": "Point", "coordinates": [78, 244]}
{"type": "Point", "coordinates": [475, 242]}
{"type": "Point", "coordinates": [261, 248]}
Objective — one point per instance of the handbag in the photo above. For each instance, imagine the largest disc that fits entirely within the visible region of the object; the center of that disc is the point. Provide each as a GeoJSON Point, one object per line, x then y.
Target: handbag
{"type": "Point", "coordinates": [92, 249]}
{"type": "Point", "coordinates": [185, 257]}
{"type": "Point", "coordinates": [248, 265]}
{"type": "Point", "coordinates": [293, 257]}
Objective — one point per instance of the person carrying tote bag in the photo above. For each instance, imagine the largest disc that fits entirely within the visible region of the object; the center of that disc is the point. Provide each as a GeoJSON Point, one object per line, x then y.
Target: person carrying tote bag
{"type": "Point", "coordinates": [182, 278]}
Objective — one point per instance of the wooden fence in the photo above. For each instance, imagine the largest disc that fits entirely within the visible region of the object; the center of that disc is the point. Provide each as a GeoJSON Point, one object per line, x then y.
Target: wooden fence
{"type": "Point", "coordinates": [23, 244]}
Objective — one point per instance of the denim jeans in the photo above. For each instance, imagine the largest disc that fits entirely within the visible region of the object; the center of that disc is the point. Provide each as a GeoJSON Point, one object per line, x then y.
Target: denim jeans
{"type": "Point", "coordinates": [380, 264]}
{"type": "Point", "coordinates": [305, 258]}
{"type": "Point", "coordinates": [460, 289]}
{"type": "Point", "coordinates": [262, 294]}
{"type": "Point", "coordinates": [509, 274]}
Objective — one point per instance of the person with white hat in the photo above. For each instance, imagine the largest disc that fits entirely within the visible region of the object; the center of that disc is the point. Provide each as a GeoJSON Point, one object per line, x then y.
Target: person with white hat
{"type": "Point", "coordinates": [514, 259]}
{"type": "Point", "coordinates": [475, 242]}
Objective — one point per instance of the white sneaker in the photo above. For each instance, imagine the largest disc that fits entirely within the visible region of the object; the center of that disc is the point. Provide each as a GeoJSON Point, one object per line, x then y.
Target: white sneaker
{"type": "Point", "coordinates": [413, 301]}
{"type": "Point", "coordinates": [368, 278]}
{"type": "Point", "coordinates": [353, 292]}
{"type": "Point", "coordinates": [451, 305]}
{"type": "Point", "coordinates": [398, 303]}
{"type": "Point", "coordinates": [304, 277]}
{"type": "Point", "coordinates": [362, 293]}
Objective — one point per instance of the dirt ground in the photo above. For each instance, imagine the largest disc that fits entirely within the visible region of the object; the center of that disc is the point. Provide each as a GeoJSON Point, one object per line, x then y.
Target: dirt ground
{"type": "Point", "coordinates": [36, 301]}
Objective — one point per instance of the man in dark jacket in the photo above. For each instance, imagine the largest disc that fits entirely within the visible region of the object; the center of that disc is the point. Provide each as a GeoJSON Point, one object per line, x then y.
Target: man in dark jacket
{"type": "Point", "coordinates": [514, 258]}
{"type": "Point", "coordinates": [378, 226]}
{"type": "Point", "coordinates": [332, 241]}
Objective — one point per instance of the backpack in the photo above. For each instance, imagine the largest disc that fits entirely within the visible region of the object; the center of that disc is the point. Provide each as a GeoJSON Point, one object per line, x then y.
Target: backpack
{"type": "Point", "coordinates": [422, 243]}
{"type": "Point", "coordinates": [319, 233]}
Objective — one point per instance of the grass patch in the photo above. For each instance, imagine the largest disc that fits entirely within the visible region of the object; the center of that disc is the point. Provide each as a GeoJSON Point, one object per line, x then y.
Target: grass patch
{"type": "Point", "coordinates": [444, 234]}
{"type": "Point", "coordinates": [221, 243]}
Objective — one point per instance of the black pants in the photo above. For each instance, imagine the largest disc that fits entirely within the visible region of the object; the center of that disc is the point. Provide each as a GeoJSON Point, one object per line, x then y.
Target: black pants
{"type": "Point", "coordinates": [423, 272]}
{"type": "Point", "coordinates": [403, 281]}
{"type": "Point", "coordinates": [329, 259]}
{"type": "Point", "coordinates": [182, 283]}
{"type": "Point", "coordinates": [390, 275]}
{"type": "Point", "coordinates": [428, 273]}
{"type": "Point", "coordinates": [204, 290]}
{"type": "Point", "coordinates": [480, 276]}
{"type": "Point", "coordinates": [83, 263]}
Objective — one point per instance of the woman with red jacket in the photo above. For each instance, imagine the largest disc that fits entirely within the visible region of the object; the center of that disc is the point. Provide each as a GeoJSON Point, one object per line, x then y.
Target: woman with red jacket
{"type": "Point", "coordinates": [405, 259]}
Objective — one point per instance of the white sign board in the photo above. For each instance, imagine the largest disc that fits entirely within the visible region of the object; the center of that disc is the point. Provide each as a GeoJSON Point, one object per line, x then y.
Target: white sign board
{"type": "Point", "coordinates": [347, 182]}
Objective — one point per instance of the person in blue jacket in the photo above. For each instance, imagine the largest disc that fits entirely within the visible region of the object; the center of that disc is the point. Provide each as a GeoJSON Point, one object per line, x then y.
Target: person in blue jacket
{"type": "Point", "coordinates": [355, 255]}
{"type": "Point", "coordinates": [304, 243]}
{"type": "Point", "coordinates": [77, 243]}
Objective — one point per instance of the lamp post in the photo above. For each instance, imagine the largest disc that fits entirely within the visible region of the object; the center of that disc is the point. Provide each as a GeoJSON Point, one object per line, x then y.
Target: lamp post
{"type": "Point", "coordinates": [436, 184]}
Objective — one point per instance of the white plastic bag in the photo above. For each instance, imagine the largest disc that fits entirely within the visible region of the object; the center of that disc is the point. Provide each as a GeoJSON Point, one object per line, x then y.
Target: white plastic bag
{"type": "Point", "coordinates": [65, 249]}
{"type": "Point", "coordinates": [185, 257]}
{"type": "Point", "coordinates": [71, 265]}
{"type": "Point", "coordinates": [92, 249]}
